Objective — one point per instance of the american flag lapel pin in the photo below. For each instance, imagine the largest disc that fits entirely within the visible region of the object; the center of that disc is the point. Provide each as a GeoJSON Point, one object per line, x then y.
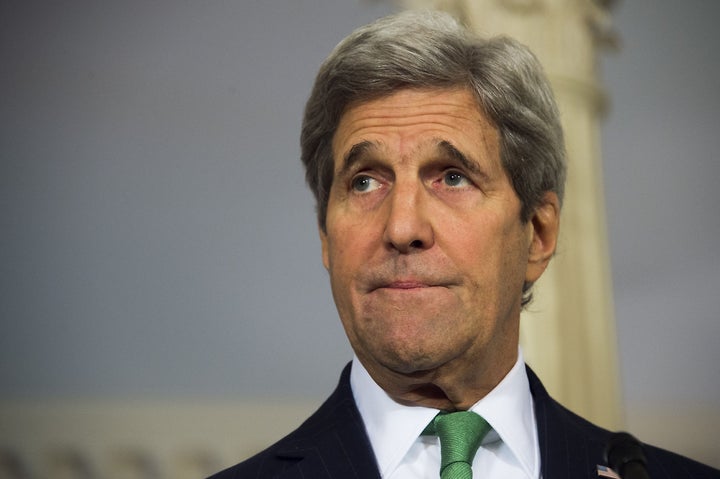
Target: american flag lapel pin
{"type": "Point", "coordinates": [604, 471]}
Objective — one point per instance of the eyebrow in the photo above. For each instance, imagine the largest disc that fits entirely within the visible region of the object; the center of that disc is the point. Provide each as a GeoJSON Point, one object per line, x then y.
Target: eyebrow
{"type": "Point", "coordinates": [356, 153]}
{"type": "Point", "coordinates": [360, 150]}
{"type": "Point", "coordinates": [449, 149]}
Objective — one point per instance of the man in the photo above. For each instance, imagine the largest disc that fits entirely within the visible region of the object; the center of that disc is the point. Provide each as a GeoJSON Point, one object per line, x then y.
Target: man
{"type": "Point", "coordinates": [437, 162]}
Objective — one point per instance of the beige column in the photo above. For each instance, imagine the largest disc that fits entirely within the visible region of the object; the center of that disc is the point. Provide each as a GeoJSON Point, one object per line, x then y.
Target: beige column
{"type": "Point", "coordinates": [568, 332]}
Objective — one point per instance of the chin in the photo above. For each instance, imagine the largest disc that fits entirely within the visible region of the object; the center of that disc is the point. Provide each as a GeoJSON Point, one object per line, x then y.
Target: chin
{"type": "Point", "coordinates": [415, 362]}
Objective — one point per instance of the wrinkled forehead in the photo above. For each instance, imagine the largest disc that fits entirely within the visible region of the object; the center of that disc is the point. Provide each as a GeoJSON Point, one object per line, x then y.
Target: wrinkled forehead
{"type": "Point", "coordinates": [439, 121]}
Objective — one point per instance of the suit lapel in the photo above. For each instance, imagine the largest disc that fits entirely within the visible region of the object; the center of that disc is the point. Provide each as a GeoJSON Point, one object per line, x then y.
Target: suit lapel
{"type": "Point", "coordinates": [332, 443]}
{"type": "Point", "coordinates": [570, 447]}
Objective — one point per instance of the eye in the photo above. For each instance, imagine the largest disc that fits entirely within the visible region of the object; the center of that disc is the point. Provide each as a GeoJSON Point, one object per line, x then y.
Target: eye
{"type": "Point", "coordinates": [455, 179]}
{"type": "Point", "coordinates": [364, 184]}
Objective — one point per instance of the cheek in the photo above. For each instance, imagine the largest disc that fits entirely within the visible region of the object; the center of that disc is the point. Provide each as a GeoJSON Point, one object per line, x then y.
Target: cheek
{"type": "Point", "coordinates": [471, 243]}
{"type": "Point", "coordinates": [343, 258]}
{"type": "Point", "coordinates": [339, 253]}
{"type": "Point", "coordinates": [350, 242]}
{"type": "Point", "coordinates": [492, 257]}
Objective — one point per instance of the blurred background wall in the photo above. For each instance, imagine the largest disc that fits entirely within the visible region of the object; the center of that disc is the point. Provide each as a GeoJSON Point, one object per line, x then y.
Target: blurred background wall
{"type": "Point", "coordinates": [157, 241]}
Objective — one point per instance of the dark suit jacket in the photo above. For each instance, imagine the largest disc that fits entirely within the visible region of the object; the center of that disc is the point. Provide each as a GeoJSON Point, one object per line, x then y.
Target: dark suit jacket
{"type": "Point", "coordinates": [333, 443]}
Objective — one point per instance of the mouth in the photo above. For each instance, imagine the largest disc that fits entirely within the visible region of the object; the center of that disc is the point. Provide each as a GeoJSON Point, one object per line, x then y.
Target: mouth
{"type": "Point", "coordinates": [406, 285]}
{"type": "Point", "coordinates": [392, 280]}
{"type": "Point", "coordinates": [409, 285]}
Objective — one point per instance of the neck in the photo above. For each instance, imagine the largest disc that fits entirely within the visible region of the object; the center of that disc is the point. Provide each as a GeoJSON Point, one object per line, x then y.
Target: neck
{"type": "Point", "coordinates": [453, 386]}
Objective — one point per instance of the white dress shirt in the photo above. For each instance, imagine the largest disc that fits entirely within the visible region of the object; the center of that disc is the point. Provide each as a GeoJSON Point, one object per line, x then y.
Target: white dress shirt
{"type": "Point", "coordinates": [509, 451]}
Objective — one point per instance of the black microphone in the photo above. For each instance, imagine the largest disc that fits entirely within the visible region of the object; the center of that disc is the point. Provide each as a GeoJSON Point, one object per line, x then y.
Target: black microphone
{"type": "Point", "coordinates": [624, 454]}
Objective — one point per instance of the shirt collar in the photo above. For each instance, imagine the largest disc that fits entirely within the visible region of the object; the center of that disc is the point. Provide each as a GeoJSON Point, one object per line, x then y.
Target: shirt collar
{"type": "Point", "coordinates": [509, 410]}
{"type": "Point", "coordinates": [393, 428]}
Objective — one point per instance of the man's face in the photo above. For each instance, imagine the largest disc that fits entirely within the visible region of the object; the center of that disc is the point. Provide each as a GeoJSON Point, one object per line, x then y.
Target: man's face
{"type": "Point", "coordinates": [423, 242]}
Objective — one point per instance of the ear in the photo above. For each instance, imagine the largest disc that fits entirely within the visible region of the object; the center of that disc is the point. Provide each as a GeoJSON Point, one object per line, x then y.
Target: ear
{"type": "Point", "coordinates": [544, 225]}
{"type": "Point", "coordinates": [324, 246]}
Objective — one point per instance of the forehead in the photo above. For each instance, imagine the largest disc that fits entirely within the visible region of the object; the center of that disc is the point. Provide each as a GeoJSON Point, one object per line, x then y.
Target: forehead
{"type": "Point", "coordinates": [411, 119]}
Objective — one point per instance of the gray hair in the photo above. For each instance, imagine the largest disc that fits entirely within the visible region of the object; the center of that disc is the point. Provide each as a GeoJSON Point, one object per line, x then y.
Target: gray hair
{"type": "Point", "coordinates": [431, 50]}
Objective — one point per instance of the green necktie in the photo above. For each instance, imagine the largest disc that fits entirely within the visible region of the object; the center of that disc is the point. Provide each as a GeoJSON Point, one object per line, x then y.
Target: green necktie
{"type": "Point", "coordinates": [460, 435]}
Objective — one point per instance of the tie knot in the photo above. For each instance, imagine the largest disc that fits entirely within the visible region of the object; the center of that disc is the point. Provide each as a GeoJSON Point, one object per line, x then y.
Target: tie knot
{"type": "Point", "coordinates": [460, 436]}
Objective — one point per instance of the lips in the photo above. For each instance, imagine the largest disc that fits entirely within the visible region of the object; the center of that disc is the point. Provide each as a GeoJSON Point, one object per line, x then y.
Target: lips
{"type": "Point", "coordinates": [398, 277]}
{"type": "Point", "coordinates": [407, 284]}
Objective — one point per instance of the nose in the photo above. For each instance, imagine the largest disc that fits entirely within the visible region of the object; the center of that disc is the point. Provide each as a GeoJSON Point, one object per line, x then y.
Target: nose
{"type": "Point", "coordinates": [408, 227]}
